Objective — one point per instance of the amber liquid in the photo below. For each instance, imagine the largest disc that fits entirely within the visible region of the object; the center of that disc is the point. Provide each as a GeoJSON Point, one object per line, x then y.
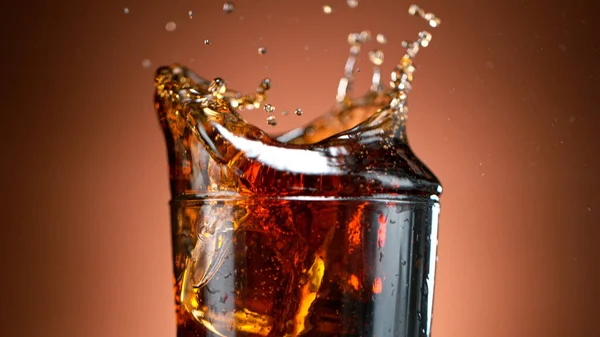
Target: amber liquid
{"type": "Point", "coordinates": [328, 230]}
{"type": "Point", "coordinates": [332, 233]}
{"type": "Point", "coordinates": [316, 267]}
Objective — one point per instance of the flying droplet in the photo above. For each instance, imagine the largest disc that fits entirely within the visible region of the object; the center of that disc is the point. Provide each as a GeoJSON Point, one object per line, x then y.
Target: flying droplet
{"type": "Point", "coordinates": [207, 42]}
{"type": "Point", "coordinates": [352, 3]}
{"type": "Point", "coordinates": [376, 57]}
{"type": "Point", "coordinates": [191, 14]}
{"type": "Point", "coordinates": [269, 108]}
{"type": "Point", "coordinates": [217, 86]}
{"type": "Point", "coordinates": [298, 112]}
{"type": "Point", "coordinates": [271, 120]}
{"type": "Point", "coordinates": [432, 19]}
{"type": "Point", "coordinates": [284, 113]}
{"type": "Point", "coordinates": [424, 38]}
{"type": "Point", "coordinates": [429, 17]}
{"type": "Point", "coordinates": [413, 9]}
{"type": "Point", "coordinates": [365, 36]}
{"type": "Point", "coordinates": [228, 7]}
{"type": "Point", "coordinates": [265, 84]}
{"type": "Point", "coordinates": [327, 9]}
{"type": "Point", "coordinates": [262, 51]}
{"type": "Point", "coordinates": [354, 39]}
{"type": "Point", "coordinates": [126, 10]}
{"type": "Point", "coordinates": [170, 26]}
{"type": "Point", "coordinates": [381, 38]}
{"type": "Point", "coordinates": [146, 63]}
{"type": "Point", "coordinates": [434, 22]}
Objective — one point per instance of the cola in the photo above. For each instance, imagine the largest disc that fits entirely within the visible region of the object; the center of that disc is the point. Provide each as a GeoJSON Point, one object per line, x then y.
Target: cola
{"type": "Point", "coordinates": [327, 230]}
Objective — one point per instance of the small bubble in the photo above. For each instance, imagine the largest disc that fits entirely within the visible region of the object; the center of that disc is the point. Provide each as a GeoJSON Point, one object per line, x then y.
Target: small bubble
{"type": "Point", "coordinates": [269, 108]}
{"type": "Point", "coordinates": [262, 51]}
{"type": "Point", "coordinates": [207, 42]}
{"type": "Point", "coordinates": [376, 57]}
{"type": "Point", "coordinates": [170, 26]}
{"type": "Point", "coordinates": [146, 63]}
{"type": "Point", "coordinates": [228, 7]}
{"type": "Point", "coordinates": [589, 209]}
{"type": "Point", "coordinates": [271, 120]}
{"type": "Point", "coordinates": [352, 3]}
{"type": "Point", "coordinates": [191, 14]}
{"type": "Point", "coordinates": [284, 113]}
{"type": "Point", "coordinates": [327, 9]}
{"type": "Point", "coordinates": [381, 38]}
{"type": "Point", "coordinates": [377, 285]}
{"type": "Point", "coordinates": [298, 112]}
{"type": "Point", "coordinates": [126, 10]}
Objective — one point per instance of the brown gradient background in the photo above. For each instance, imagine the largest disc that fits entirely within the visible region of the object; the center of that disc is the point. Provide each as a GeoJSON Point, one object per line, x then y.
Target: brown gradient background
{"type": "Point", "coordinates": [504, 110]}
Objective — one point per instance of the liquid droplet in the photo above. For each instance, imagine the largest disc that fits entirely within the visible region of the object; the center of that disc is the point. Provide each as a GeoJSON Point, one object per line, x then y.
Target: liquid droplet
{"type": "Point", "coordinates": [284, 113]}
{"type": "Point", "coordinates": [376, 57]}
{"type": "Point", "coordinates": [146, 63]}
{"type": "Point", "coordinates": [217, 87]}
{"type": "Point", "coordinates": [352, 3]}
{"type": "Point", "coordinates": [413, 9]}
{"type": "Point", "coordinates": [262, 51]}
{"type": "Point", "coordinates": [269, 108]}
{"type": "Point", "coordinates": [265, 84]}
{"type": "Point", "coordinates": [271, 120]}
{"type": "Point", "coordinates": [424, 38]}
{"type": "Point", "coordinates": [365, 36]}
{"type": "Point", "coordinates": [298, 112]}
{"type": "Point", "coordinates": [431, 19]}
{"type": "Point", "coordinates": [354, 39]}
{"type": "Point", "coordinates": [381, 38]}
{"type": "Point", "coordinates": [228, 7]}
{"type": "Point", "coordinates": [327, 9]}
{"type": "Point", "coordinates": [191, 14]}
{"type": "Point", "coordinates": [126, 10]}
{"type": "Point", "coordinates": [170, 26]}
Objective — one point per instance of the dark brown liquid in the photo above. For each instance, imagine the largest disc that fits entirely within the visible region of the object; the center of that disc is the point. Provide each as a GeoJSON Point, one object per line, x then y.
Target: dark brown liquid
{"type": "Point", "coordinates": [319, 267]}
{"type": "Point", "coordinates": [328, 230]}
{"type": "Point", "coordinates": [329, 238]}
